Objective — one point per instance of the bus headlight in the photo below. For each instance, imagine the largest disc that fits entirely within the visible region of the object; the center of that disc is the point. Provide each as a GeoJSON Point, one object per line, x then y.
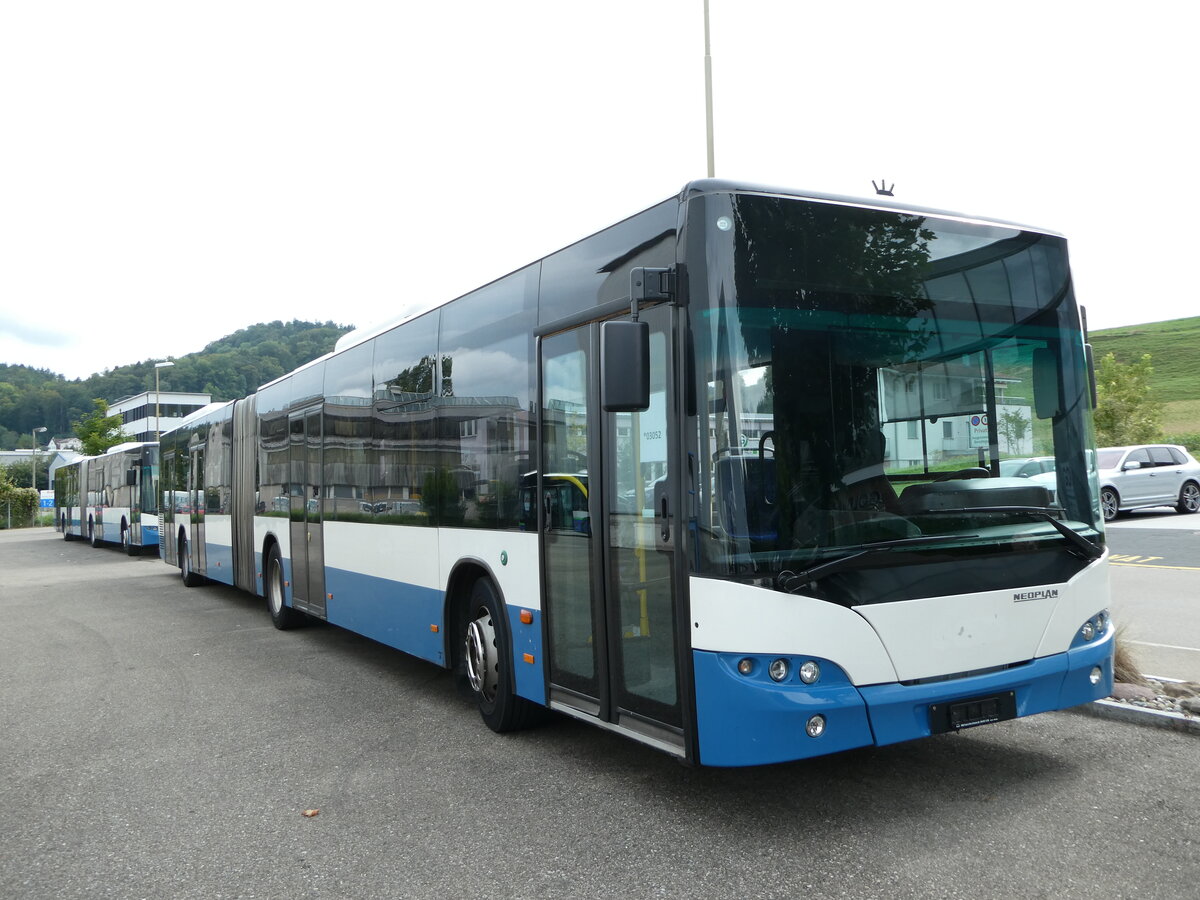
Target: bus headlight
{"type": "Point", "coordinates": [779, 669]}
{"type": "Point", "coordinates": [810, 672]}
{"type": "Point", "coordinates": [1088, 631]}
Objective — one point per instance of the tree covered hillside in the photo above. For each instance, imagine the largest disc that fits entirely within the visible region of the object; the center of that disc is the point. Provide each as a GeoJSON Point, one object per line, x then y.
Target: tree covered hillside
{"type": "Point", "coordinates": [231, 367]}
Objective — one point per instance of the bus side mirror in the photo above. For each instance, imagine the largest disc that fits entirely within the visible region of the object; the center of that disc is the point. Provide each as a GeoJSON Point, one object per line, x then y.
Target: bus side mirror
{"type": "Point", "coordinates": [131, 477]}
{"type": "Point", "coordinates": [1047, 390]}
{"type": "Point", "coordinates": [625, 366]}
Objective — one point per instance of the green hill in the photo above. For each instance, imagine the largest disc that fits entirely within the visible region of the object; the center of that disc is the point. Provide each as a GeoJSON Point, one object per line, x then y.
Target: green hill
{"type": "Point", "coordinates": [228, 368]}
{"type": "Point", "coordinates": [1174, 348]}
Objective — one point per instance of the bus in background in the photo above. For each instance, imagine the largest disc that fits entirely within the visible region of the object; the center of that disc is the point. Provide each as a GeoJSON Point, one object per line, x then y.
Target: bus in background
{"type": "Point", "coordinates": [111, 498]}
{"type": "Point", "coordinates": [723, 478]}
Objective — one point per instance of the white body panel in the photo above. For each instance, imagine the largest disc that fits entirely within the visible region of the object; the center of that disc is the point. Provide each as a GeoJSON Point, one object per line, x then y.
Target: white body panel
{"type": "Point", "coordinates": [967, 632]}
{"type": "Point", "coordinates": [904, 640]}
{"type": "Point", "coordinates": [276, 526]}
{"type": "Point", "coordinates": [738, 618]}
{"type": "Point", "coordinates": [218, 529]}
{"type": "Point", "coordinates": [407, 554]}
{"type": "Point", "coordinates": [518, 578]}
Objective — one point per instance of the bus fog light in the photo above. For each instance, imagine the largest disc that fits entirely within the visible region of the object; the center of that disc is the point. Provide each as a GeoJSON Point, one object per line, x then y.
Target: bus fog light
{"type": "Point", "coordinates": [1088, 631]}
{"type": "Point", "coordinates": [1095, 675]}
{"type": "Point", "coordinates": [779, 669]}
{"type": "Point", "coordinates": [745, 666]}
{"type": "Point", "coordinates": [815, 727]}
{"type": "Point", "coordinates": [810, 672]}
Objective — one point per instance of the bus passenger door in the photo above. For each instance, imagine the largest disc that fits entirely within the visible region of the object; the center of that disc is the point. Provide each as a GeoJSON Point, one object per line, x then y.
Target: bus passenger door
{"type": "Point", "coordinates": [307, 540]}
{"type": "Point", "coordinates": [608, 540]}
{"type": "Point", "coordinates": [196, 503]}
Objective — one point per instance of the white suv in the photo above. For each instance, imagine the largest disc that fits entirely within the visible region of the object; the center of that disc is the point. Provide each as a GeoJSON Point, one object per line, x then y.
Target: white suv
{"type": "Point", "coordinates": [1147, 475]}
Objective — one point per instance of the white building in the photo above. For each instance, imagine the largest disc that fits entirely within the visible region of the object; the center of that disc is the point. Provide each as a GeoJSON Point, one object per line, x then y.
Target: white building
{"type": "Point", "coordinates": [138, 413]}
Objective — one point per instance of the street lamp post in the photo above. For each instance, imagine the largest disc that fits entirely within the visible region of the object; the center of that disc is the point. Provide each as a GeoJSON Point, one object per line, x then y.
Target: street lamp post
{"type": "Point", "coordinates": [708, 103]}
{"type": "Point", "coordinates": [33, 469]}
{"type": "Point", "coordinates": [157, 393]}
{"type": "Point", "coordinates": [33, 465]}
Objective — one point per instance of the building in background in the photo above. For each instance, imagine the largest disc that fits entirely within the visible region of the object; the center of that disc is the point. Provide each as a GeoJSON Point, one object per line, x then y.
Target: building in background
{"type": "Point", "coordinates": [138, 412]}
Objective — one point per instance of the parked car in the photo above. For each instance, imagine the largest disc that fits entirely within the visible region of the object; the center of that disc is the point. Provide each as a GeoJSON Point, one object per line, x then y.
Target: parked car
{"type": "Point", "coordinates": [1147, 475]}
{"type": "Point", "coordinates": [1025, 467]}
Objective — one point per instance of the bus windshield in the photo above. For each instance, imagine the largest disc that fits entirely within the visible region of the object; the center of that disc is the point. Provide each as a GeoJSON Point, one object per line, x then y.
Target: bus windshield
{"type": "Point", "coordinates": [864, 375]}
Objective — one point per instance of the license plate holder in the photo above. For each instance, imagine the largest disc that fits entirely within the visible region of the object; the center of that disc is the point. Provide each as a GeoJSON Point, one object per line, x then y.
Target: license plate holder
{"type": "Point", "coordinates": [962, 714]}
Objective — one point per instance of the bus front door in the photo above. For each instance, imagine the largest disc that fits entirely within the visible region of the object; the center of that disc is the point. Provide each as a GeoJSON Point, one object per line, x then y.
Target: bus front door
{"type": "Point", "coordinates": [609, 537]}
{"type": "Point", "coordinates": [307, 539]}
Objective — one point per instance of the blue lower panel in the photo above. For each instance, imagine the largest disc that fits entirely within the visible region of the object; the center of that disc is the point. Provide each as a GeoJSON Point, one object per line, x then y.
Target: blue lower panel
{"type": "Point", "coordinates": [391, 612]}
{"type": "Point", "coordinates": [218, 562]}
{"type": "Point", "coordinates": [149, 535]}
{"type": "Point", "coordinates": [901, 712]}
{"type": "Point", "coordinates": [748, 720]}
{"type": "Point", "coordinates": [528, 669]}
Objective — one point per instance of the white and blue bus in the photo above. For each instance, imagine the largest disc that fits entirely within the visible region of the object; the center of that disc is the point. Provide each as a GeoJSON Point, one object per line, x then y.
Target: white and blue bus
{"type": "Point", "coordinates": [111, 498]}
{"type": "Point", "coordinates": [723, 478]}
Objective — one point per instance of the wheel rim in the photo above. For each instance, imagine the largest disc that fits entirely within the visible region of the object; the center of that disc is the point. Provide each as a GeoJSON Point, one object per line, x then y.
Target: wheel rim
{"type": "Point", "coordinates": [275, 587]}
{"type": "Point", "coordinates": [482, 662]}
{"type": "Point", "coordinates": [1191, 497]}
{"type": "Point", "coordinates": [125, 539]}
{"type": "Point", "coordinates": [1108, 502]}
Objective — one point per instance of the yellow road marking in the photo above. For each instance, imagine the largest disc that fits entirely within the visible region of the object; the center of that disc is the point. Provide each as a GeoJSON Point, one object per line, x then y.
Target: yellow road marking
{"type": "Point", "coordinates": [1145, 566]}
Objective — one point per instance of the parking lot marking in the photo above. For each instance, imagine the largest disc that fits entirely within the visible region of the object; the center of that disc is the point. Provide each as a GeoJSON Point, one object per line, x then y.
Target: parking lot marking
{"type": "Point", "coordinates": [1166, 646]}
{"type": "Point", "coordinates": [1145, 566]}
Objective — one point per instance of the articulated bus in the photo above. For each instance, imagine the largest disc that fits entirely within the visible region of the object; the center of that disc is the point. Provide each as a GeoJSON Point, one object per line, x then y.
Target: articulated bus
{"type": "Point", "coordinates": [723, 478]}
{"type": "Point", "coordinates": [111, 498]}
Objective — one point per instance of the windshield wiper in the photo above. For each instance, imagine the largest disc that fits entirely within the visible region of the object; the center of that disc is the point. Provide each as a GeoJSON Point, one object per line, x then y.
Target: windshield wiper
{"type": "Point", "coordinates": [793, 581]}
{"type": "Point", "coordinates": [1089, 550]}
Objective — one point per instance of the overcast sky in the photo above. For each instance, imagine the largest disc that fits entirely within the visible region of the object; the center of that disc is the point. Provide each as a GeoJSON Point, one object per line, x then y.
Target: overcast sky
{"type": "Point", "coordinates": [170, 173]}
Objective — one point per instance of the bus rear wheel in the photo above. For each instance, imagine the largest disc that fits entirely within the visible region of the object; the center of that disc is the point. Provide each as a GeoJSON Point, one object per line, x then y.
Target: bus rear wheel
{"type": "Point", "coordinates": [190, 578]}
{"type": "Point", "coordinates": [487, 658]}
{"type": "Point", "coordinates": [283, 616]}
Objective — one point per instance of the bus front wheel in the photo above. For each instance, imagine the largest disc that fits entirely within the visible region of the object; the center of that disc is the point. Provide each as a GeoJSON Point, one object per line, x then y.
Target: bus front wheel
{"type": "Point", "coordinates": [487, 657]}
{"type": "Point", "coordinates": [127, 543]}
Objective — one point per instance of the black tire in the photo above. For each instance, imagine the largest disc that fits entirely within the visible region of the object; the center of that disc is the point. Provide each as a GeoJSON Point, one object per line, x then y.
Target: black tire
{"type": "Point", "coordinates": [1189, 498]}
{"type": "Point", "coordinates": [93, 537]}
{"type": "Point", "coordinates": [487, 660]}
{"type": "Point", "coordinates": [127, 543]}
{"type": "Point", "coordinates": [190, 578]}
{"type": "Point", "coordinates": [1110, 504]}
{"type": "Point", "coordinates": [283, 616]}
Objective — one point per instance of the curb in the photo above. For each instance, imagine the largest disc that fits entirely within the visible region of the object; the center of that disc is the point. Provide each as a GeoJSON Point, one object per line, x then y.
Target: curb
{"type": "Point", "coordinates": [1123, 712]}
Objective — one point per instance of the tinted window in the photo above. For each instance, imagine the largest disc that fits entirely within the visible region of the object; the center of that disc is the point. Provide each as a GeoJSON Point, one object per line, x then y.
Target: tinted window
{"type": "Point", "coordinates": [485, 407]}
{"type": "Point", "coordinates": [348, 429]}
{"type": "Point", "coordinates": [1140, 456]}
{"type": "Point", "coordinates": [1180, 459]}
{"type": "Point", "coordinates": [1162, 456]}
{"type": "Point", "coordinates": [406, 485]}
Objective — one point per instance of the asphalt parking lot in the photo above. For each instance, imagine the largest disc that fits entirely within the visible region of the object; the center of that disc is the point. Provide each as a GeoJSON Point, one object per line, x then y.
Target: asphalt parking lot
{"type": "Point", "coordinates": [164, 742]}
